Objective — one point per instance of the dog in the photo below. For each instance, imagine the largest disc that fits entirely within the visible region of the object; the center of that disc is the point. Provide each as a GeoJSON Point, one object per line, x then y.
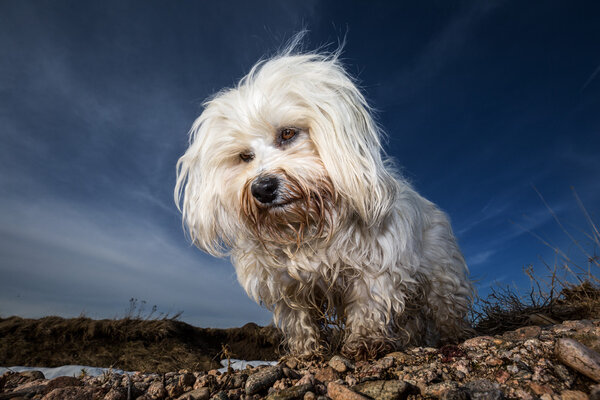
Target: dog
{"type": "Point", "coordinates": [285, 173]}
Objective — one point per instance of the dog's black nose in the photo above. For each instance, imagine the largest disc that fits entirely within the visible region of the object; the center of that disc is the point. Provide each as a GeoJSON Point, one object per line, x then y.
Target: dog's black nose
{"type": "Point", "coordinates": [264, 189]}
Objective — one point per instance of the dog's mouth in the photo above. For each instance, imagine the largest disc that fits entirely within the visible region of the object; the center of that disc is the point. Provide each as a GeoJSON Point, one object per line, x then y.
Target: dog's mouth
{"type": "Point", "coordinates": [302, 210]}
{"type": "Point", "coordinates": [279, 205]}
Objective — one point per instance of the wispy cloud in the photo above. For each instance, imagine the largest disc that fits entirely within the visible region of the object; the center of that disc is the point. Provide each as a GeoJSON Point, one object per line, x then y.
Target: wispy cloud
{"type": "Point", "coordinates": [62, 258]}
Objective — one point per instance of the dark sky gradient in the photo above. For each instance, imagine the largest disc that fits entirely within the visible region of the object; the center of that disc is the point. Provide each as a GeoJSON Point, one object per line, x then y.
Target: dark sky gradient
{"type": "Point", "coordinates": [481, 102]}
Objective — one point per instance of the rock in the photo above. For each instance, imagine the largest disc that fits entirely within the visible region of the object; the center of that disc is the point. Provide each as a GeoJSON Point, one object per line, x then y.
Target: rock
{"type": "Point", "coordinates": [309, 396]}
{"type": "Point", "coordinates": [399, 356]}
{"type": "Point", "coordinates": [478, 342]}
{"type": "Point", "coordinates": [327, 374]}
{"type": "Point", "coordinates": [577, 356]}
{"type": "Point", "coordinates": [540, 389]}
{"type": "Point", "coordinates": [63, 381]}
{"type": "Point", "coordinates": [262, 379]}
{"type": "Point", "coordinates": [383, 390]}
{"type": "Point", "coordinates": [573, 395]}
{"type": "Point", "coordinates": [115, 394]}
{"type": "Point", "coordinates": [340, 364]}
{"type": "Point", "coordinates": [156, 390]}
{"type": "Point", "coordinates": [483, 389]}
{"type": "Point", "coordinates": [439, 389]}
{"type": "Point", "coordinates": [70, 393]}
{"type": "Point", "coordinates": [31, 376]}
{"type": "Point", "coordinates": [595, 392]}
{"type": "Point", "coordinates": [340, 392]}
{"type": "Point", "coordinates": [174, 389]}
{"type": "Point", "coordinates": [306, 379]}
{"type": "Point", "coordinates": [220, 396]}
{"type": "Point", "coordinates": [196, 394]}
{"type": "Point", "coordinates": [187, 379]}
{"type": "Point", "coordinates": [291, 393]}
{"type": "Point", "coordinates": [527, 332]}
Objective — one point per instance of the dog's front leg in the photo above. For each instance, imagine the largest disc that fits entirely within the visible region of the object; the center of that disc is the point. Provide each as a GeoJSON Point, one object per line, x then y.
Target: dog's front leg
{"type": "Point", "coordinates": [369, 317]}
{"type": "Point", "coordinates": [299, 329]}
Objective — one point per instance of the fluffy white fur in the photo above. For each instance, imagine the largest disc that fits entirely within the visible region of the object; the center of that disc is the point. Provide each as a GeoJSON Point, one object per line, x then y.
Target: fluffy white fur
{"type": "Point", "coordinates": [347, 235]}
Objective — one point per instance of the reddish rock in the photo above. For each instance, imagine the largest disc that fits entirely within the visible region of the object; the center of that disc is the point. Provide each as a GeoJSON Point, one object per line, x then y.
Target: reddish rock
{"type": "Point", "coordinates": [327, 374]}
{"type": "Point", "coordinates": [340, 392]}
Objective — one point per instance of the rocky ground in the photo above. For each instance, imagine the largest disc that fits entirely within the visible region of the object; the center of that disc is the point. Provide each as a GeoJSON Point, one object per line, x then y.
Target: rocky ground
{"type": "Point", "coordinates": [549, 363]}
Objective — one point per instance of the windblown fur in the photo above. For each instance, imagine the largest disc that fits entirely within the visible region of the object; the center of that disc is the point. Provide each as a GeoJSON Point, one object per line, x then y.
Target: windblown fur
{"type": "Point", "coordinates": [320, 222]}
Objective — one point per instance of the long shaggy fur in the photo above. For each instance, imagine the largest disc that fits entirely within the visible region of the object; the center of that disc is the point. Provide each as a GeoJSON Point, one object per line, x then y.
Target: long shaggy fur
{"type": "Point", "coordinates": [346, 234]}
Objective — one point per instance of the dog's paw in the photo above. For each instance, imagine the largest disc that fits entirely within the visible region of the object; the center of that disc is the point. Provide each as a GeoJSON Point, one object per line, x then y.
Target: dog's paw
{"type": "Point", "coordinates": [367, 349]}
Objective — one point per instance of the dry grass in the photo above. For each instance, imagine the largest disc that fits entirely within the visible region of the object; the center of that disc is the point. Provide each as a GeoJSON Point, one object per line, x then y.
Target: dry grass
{"type": "Point", "coordinates": [129, 343]}
{"type": "Point", "coordinates": [568, 290]}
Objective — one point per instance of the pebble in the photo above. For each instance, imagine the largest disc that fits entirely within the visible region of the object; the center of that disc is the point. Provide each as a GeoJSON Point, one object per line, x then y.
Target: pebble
{"type": "Point", "coordinates": [483, 389]}
{"type": "Point", "coordinates": [579, 357]}
{"type": "Point", "coordinates": [291, 393]}
{"type": "Point", "coordinates": [383, 390]}
{"type": "Point", "coordinates": [327, 374]}
{"type": "Point", "coordinates": [262, 379]}
{"type": "Point", "coordinates": [527, 332]}
{"type": "Point", "coordinates": [573, 395]}
{"type": "Point", "coordinates": [340, 364]}
{"type": "Point", "coordinates": [340, 392]}
{"type": "Point", "coordinates": [196, 394]}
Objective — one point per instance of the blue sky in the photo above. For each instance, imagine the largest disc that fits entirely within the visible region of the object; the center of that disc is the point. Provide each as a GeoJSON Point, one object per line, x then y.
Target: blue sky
{"type": "Point", "coordinates": [481, 101]}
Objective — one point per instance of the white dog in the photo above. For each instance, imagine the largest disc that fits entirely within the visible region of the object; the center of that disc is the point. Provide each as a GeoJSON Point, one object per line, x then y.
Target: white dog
{"type": "Point", "coordinates": [285, 174]}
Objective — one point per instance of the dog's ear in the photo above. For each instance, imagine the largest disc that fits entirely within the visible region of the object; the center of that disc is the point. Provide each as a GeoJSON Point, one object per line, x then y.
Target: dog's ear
{"type": "Point", "coordinates": [348, 141]}
{"type": "Point", "coordinates": [196, 193]}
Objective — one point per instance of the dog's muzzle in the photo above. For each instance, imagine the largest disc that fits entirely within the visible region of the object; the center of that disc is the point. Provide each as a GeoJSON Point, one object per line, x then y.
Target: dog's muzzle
{"type": "Point", "coordinates": [264, 189]}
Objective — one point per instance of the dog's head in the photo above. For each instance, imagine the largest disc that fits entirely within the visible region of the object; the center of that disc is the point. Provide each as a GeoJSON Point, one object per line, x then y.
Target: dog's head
{"type": "Point", "coordinates": [283, 157]}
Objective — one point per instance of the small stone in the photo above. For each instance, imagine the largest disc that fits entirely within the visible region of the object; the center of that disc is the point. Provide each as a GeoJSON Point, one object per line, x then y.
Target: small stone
{"type": "Point", "coordinates": [262, 379]}
{"type": "Point", "coordinates": [63, 381]}
{"type": "Point", "coordinates": [309, 396]}
{"type": "Point", "coordinates": [527, 332]}
{"type": "Point", "coordinates": [478, 342]}
{"type": "Point", "coordinates": [493, 361]}
{"type": "Point", "coordinates": [32, 376]}
{"type": "Point", "coordinates": [156, 390]}
{"type": "Point", "coordinates": [196, 394]}
{"type": "Point", "coordinates": [383, 390]}
{"type": "Point", "coordinates": [438, 389]}
{"type": "Point", "coordinates": [573, 395]}
{"type": "Point", "coordinates": [308, 379]}
{"type": "Point", "coordinates": [115, 394]}
{"type": "Point", "coordinates": [187, 379]}
{"type": "Point", "coordinates": [327, 374]}
{"type": "Point", "coordinates": [523, 395]}
{"type": "Point", "coordinates": [290, 373]}
{"type": "Point", "coordinates": [483, 389]}
{"type": "Point", "coordinates": [399, 356]}
{"type": "Point", "coordinates": [579, 357]}
{"type": "Point", "coordinates": [70, 393]}
{"type": "Point", "coordinates": [502, 376]}
{"type": "Point", "coordinates": [291, 393]}
{"type": "Point", "coordinates": [340, 364]}
{"type": "Point", "coordinates": [540, 389]}
{"type": "Point", "coordinates": [386, 362]}
{"type": "Point", "coordinates": [221, 395]}
{"type": "Point", "coordinates": [174, 389]}
{"type": "Point", "coordinates": [340, 392]}
{"type": "Point", "coordinates": [595, 392]}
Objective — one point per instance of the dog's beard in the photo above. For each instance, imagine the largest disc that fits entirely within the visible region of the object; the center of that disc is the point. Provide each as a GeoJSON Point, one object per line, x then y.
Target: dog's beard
{"type": "Point", "coordinates": [304, 211]}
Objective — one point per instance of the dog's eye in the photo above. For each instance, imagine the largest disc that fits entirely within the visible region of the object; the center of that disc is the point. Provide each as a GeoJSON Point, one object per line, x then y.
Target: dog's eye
{"type": "Point", "coordinates": [287, 133]}
{"type": "Point", "coordinates": [246, 157]}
